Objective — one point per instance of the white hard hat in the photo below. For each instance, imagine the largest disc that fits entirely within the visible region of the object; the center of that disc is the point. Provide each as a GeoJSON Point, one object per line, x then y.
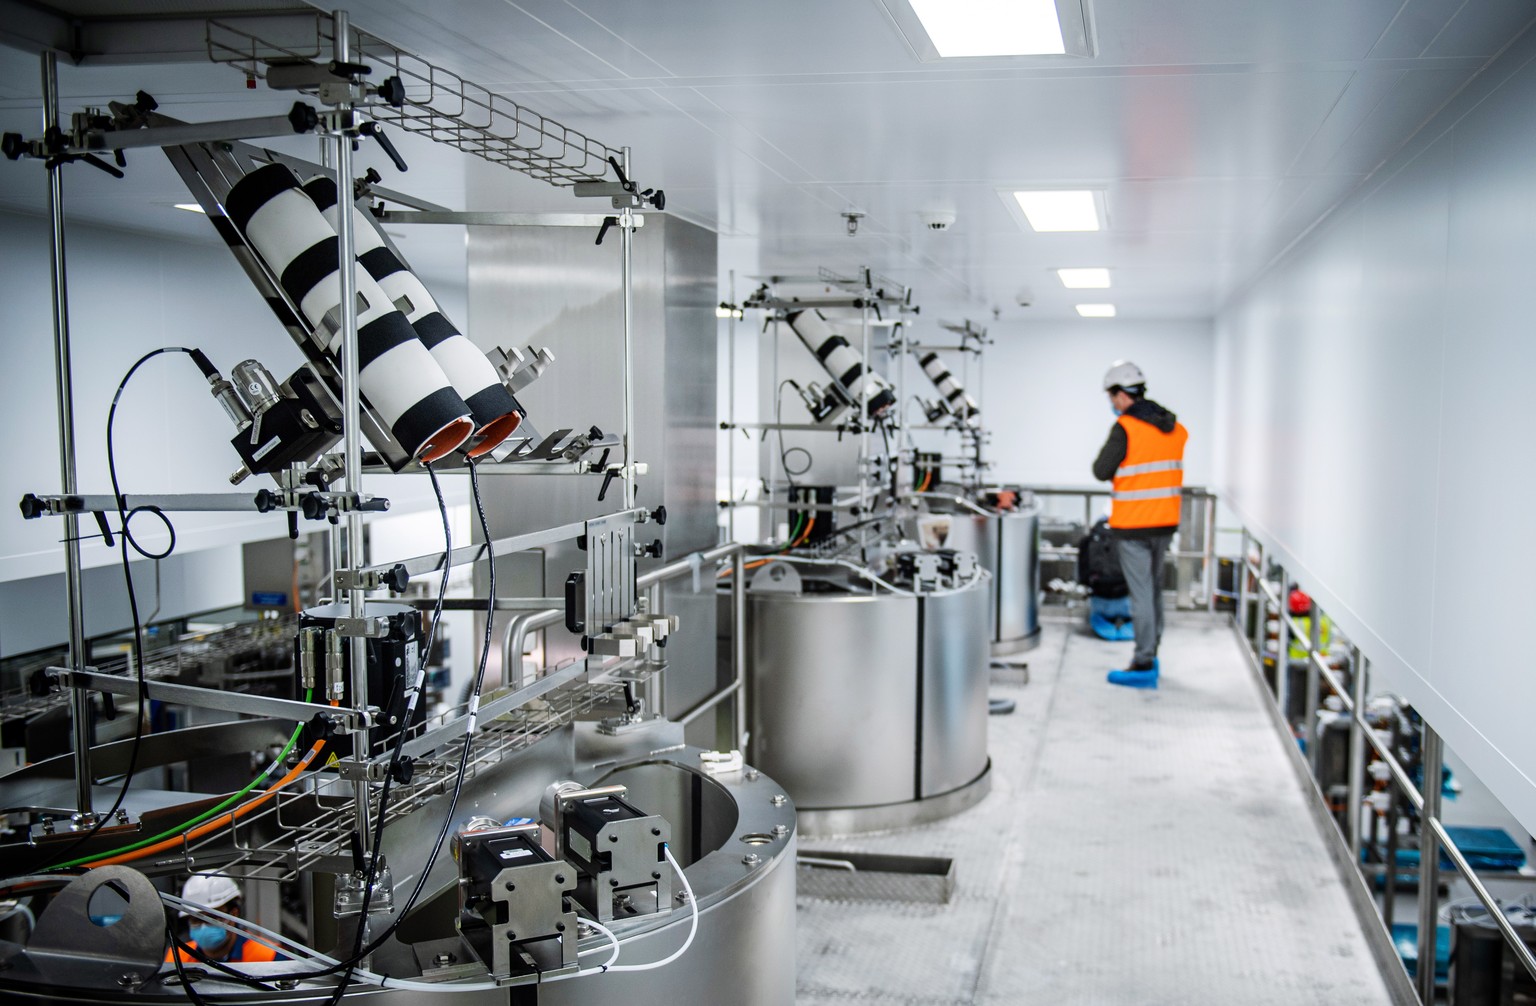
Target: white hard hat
{"type": "Point", "coordinates": [1124, 374]}
{"type": "Point", "coordinates": [209, 890]}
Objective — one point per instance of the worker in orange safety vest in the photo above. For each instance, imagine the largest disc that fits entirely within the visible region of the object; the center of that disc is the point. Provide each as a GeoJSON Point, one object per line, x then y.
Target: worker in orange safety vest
{"type": "Point", "coordinates": [217, 941]}
{"type": "Point", "coordinates": [1144, 460]}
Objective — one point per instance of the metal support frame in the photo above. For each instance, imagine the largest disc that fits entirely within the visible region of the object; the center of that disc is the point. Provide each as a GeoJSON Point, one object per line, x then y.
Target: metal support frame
{"type": "Point", "coordinates": [1434, 839]}
{"type": "Point", "coordinates": [81, 727]}
{"type": "Point", "coordinates": [352, 718]}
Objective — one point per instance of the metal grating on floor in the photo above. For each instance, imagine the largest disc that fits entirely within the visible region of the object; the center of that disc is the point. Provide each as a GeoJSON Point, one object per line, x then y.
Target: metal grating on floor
{"type": "Point", "coordinates": [1138, 848]}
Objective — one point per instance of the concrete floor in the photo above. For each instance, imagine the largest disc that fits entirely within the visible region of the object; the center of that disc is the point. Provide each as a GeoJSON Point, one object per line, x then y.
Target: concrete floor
{"type": "Point", "coordinates": [1138, 848]}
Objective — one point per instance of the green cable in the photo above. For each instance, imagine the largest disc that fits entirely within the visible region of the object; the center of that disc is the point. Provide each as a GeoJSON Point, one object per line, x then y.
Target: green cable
{"type": "Point", "coordinates": [205, 815]}
{"type": "Point", "coordinates": [799, 526]}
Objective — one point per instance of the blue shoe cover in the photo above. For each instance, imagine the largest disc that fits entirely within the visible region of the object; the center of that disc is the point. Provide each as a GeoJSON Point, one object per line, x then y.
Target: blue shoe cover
{"type": "Point", "coordinates": [1104, 628]}
{"type": "Point", "coordinates": [1125, 632]}
{"type": "Point", "coordinates": [1134, 679]}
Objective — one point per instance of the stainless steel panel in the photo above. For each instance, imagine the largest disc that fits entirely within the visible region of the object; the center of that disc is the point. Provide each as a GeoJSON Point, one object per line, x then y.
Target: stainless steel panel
{"type": "Point", "coordinates": [833, 696]}
{"type": "Point", "coordinates": [1008, 547]}
{"type": "Point", "coordinates": [1017, 573]}
{"type": "Point", "coordinates": [552, 286]}
{"type": "Point", "coordinates": [955, 673]}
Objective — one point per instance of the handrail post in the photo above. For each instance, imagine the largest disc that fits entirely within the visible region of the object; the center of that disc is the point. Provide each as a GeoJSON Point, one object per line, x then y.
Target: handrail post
{"type": "Point", "coordinates": [1431, 752]}
{"type": "Point", "coordinates": [1356, 754]}
{"type": "Point", "coordinates": [739, 650]}
{"type": "Point", "coordinates": [1282, 651]}
{"type": "Point", "coordinates": [1240, 575]}
{"type": "Point", "coordinates": [1315, 649]}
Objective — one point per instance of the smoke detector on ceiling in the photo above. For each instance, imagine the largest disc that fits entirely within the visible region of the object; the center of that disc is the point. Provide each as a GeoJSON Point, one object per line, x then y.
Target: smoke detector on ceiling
{"type": "Point", "coordinates": [938, 220]}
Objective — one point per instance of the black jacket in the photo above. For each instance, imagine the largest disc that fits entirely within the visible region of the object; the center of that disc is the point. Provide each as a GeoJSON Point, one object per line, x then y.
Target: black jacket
{"type": "Point", "coordinates": [1113, 453]}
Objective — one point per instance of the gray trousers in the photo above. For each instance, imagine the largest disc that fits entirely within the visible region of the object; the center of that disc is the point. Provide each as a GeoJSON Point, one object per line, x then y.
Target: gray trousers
{"type": "Point", "coordinates": [1141, 559]}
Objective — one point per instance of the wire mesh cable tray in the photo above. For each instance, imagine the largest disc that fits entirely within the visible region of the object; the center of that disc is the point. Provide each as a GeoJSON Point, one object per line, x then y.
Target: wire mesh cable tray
{"type": "Point", "coordinates": [439, 104]}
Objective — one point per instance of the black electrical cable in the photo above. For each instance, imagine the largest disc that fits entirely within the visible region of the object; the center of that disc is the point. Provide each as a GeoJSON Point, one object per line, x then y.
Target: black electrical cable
{"type": "Point", "coordinates": [346, 967]}
{"type": "Point", "coordinates": [371, 877]}
{"type": "Point", "coordinates": [125, 541]}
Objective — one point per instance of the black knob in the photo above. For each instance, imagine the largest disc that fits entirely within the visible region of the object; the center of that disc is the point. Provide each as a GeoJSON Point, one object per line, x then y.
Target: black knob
{"type": "Point", "coordinates": [659, 515]}
{"type": "Point", "coordinates": [653, 549]}
{"type": "Point", "coordinates": [313, 506]}
{"type": "Point", "coordinates": [405, 768]}
{"type": "Point", "coordinates": [302, 118]}
{"type": "Point", "coordinates": [392, 90]}
{"type": "Point", "coordinates": [267, 501]}
{"type": "Point", "coordinates": [397, 578]}
{"type": "Point", "coordinates": [32, 507]}
{"type": "Point", "coordinates": [13, 145]}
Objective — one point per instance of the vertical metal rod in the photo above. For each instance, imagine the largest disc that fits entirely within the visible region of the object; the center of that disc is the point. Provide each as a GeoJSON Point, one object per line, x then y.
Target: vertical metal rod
{"type": "Point", "coordinates": [1258, 631]}
{"type": "Point", "coordinates": [1210, 553]}
{"type": "Point", "coordinates": [1240, 578]}
{"type": "Point", "coordinates": [739, 650]}
{"type": "Point", "coordinates": [656, 685]}
{"type": "Point", "coordinates": [864, 437]}
{"type": "Point", "coordinates": [1432, 752]}
{"type": "Point", "coordinates": [730, 414]}
{"type": "Point", "coordinates": [1314, 645]}
{"type": "Point", "coordinates": [81, 727]}
{"type": "Point", "coordinates": [627, 243]}
{"type": "Point", "coordinates": [773, 456]}
{"type": "Point", "coordinates": [352, 418]}
{"type": "Point", "coordinates": [1282, 652]}
{"type": "Point", "coordinates": [1356, 780]}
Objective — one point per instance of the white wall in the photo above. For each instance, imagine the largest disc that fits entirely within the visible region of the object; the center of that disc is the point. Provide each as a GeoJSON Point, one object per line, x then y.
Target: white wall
{"type": "Point", "coordinates": [1393, 350]}
{"type": "Point", "coordinates": [1042, 398]}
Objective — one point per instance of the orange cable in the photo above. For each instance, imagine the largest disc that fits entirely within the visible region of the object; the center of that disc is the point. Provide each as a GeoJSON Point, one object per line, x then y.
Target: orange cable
{"type": "Point", "coordinates": [218, 822]}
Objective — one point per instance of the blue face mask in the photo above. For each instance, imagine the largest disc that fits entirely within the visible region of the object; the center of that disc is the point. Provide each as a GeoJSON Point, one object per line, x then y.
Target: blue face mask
{"type": "Point", "coordinates": [206, 936]}
{"type": "Point", "coordinates": [1115, 410]}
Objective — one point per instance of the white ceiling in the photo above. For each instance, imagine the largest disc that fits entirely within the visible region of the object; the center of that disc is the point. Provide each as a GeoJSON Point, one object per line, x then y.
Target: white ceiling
{"type": "Point", "coordinates": [1219, 130]}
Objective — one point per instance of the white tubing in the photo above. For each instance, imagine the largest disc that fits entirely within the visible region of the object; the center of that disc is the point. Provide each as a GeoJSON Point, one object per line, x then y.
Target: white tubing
{"type": "Point", "coordinates": [307, 955]}
{"type": "Point", "coordinates": [693, 923]}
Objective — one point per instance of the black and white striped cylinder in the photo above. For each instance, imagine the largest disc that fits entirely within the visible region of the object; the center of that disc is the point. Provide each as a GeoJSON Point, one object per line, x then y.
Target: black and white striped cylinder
{"type": "Point", "coordinates": [400, 381]}
{"type": "Point", "coordinates": [959, 404]}
{"type": "Point", "coordinates": [842, 361]}
{"type": "Point", "coordinates": [493, 408]}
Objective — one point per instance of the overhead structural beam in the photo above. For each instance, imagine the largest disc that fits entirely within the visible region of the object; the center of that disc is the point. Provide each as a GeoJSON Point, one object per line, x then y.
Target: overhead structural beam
{"type": "Point", "coordinates": [128, 39]}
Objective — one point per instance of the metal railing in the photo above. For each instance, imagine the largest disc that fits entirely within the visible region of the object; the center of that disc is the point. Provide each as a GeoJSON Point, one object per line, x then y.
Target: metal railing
{"type": "Point", "coordinates": [702, 563]}
{"type": "Point", "coordinates": [1426, 801]}
{"type": "Point", "coordinates": [1197, 538]}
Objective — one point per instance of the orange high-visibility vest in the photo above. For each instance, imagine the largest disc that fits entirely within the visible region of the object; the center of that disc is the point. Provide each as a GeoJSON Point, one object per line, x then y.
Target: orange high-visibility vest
{"type": "Point", "coordinates": [245, 951]}
{"type": "Point", "coordinates": [1148, 482]}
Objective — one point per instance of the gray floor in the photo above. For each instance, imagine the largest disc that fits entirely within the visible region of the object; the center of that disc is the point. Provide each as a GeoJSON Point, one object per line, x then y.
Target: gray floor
{"type": "Point", "coordinates": [1137, 848]}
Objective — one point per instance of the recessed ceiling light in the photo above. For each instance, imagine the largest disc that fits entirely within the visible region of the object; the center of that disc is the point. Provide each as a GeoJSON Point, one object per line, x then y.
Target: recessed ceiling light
{"type": "Point", "coordinates": [1073, 210]}
{"type": "Point", "coordinates": [991, 27]}
{"type": "Point", "coordinates": [1096, 310]}
{"type": "Point", "coordinates": [1084, 279]}
{"type": "Point", "coordinates": [192, 207]}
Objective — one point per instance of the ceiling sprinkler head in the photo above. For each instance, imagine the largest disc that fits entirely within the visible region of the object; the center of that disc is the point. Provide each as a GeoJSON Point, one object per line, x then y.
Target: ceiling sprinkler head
{"type": "Point", "coordinates": [853, 217]}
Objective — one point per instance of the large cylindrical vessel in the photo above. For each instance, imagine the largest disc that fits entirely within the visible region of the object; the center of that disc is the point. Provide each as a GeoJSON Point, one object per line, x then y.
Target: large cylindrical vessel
{"type": "Point", "coordinates": [733, 834]}
{"type": "Point", "coordinates": [869, 706]}
{"type": "Point", "coordinates": [1007, 545]}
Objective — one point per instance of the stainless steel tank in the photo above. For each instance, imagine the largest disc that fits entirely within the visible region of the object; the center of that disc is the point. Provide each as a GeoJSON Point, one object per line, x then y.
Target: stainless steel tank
{"type": "Point", "coordinates": [1007, 544]}
{"type": "Point", "coordinates": [870, 708]}
{"type": "Point", "coordinates": [734, 834]}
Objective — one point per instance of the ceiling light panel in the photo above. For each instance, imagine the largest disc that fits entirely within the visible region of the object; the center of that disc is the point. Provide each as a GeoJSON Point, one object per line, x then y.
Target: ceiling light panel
{"type": "Point", "coordinates": [1060, 210]}
{"type": "Point", "coordinates": [189, 207]}
{"type": "Point", "coordinates": [991, 27]}
{"type": "Point", "coordinates": [1096, 310]}
{"type": "Point", "coordinates": [950, 29]}
{"type": "Point", "coordinates": [1084, 279]}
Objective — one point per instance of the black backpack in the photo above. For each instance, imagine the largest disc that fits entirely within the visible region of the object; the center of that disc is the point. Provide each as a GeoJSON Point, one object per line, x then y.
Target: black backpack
{"type": "Point", "coordinates": [1098, 563]}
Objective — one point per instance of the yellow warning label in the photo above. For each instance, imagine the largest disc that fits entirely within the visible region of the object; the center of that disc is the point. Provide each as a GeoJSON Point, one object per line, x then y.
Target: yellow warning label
{"type": "Point", "coordinates": [332, 761]}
